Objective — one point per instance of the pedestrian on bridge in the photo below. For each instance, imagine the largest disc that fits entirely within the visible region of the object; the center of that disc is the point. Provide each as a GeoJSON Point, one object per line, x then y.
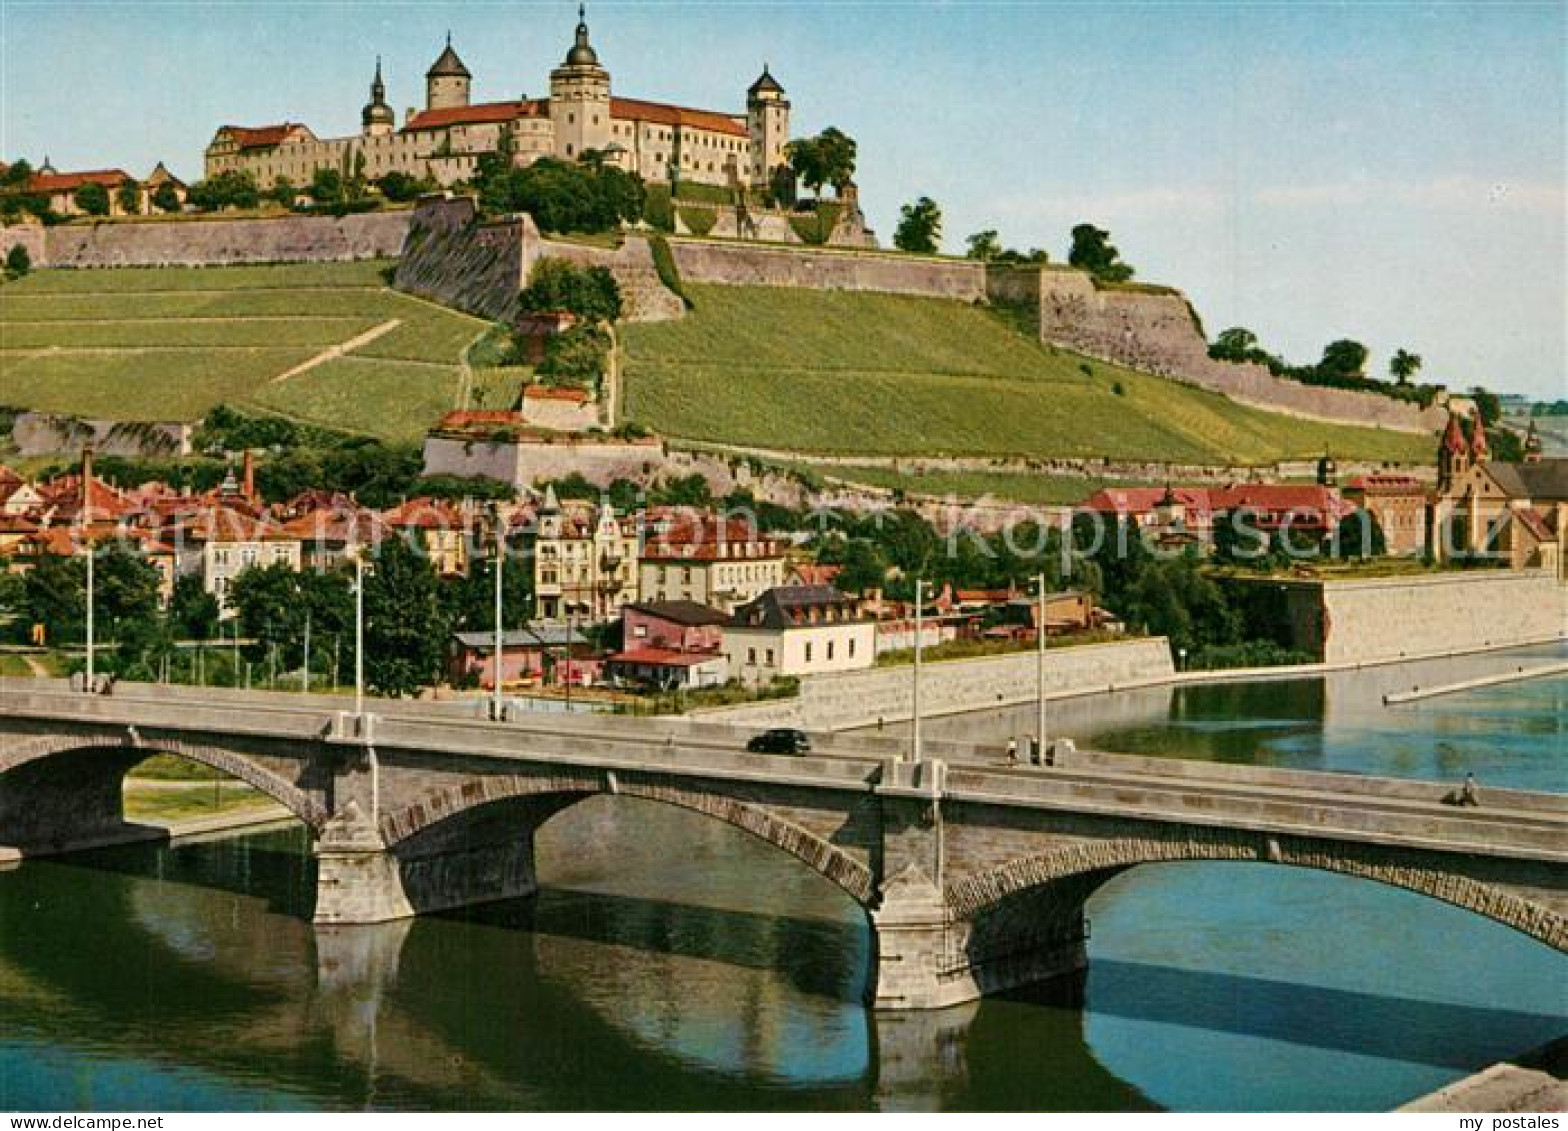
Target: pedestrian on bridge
{"type": "Point", "coordinates": [1469, 794]}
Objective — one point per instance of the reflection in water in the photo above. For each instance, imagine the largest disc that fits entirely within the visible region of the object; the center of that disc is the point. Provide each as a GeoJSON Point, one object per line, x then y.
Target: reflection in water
{"type": "Point", "coordinates": [673, 963]}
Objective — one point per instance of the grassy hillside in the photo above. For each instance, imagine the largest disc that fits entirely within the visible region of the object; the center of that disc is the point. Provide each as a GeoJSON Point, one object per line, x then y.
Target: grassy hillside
{"type": "Point", "coordinates": [170, 343]}
{"type": "Point", "coordinates": [833, 371]}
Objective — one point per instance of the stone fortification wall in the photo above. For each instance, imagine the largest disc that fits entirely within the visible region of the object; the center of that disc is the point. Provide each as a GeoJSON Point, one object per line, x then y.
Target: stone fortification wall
{"type": "Point", "coordinates": [858, 699]}
{"type": "Point", "coordinates": [522, 463]}
{"type": "Point", "coordinates": [42, 433]}
{"type": "Point", "coordinates": [454, 257]}
{"type": "Point", "coordinates": [739, 264]}
{"type": "Point", "coordinates": [1159, 333]}
{"type": "Point", "coordinates": [775, 227]}
{"type": "Point", "coordinates": [29, 236]}
{"type": "Point", "coordinates": [1390, 618]}
{"type": "Point", "coordinates": [217, 243]}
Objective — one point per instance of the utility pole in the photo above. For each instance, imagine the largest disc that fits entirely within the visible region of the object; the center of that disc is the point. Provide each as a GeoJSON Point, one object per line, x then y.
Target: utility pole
{"type": "Point", "coordinates": [1039, 729]}
{"type": "Point", "coordinates": [304, 679]}
{"type": "Point", "coordinates": [359, 635]}
{"type": "Point", "coordinates": [571, 631]}
{"type": "Point", "coordinates": [91, 679]}
{"type": "Point", "coordinates": [920, 640]}
{"type": "Point", "coordinates": [495, 666]}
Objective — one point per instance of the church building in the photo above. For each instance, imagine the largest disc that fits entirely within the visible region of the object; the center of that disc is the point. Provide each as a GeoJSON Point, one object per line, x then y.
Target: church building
{"type": "Point", "coordinates": [446, 138]}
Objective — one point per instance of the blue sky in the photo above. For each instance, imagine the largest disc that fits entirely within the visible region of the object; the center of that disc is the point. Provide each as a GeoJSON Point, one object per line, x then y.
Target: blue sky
{"type": "Point", "coordinates": [1391, 172]}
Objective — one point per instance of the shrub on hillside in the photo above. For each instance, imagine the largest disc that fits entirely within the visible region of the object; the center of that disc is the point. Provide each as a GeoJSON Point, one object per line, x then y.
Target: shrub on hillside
{"type": "Point", "coordinates": [669, 272]}
{"type": "Point", "coordinates": [591, 293]}
{"type": "Point", "coordinates": [698, 221]}
{"type": "Point", "coordinates": [561, 196]}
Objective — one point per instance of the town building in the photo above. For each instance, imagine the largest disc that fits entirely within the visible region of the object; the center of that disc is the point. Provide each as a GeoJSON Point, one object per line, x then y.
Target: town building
{"type": "Point", "coordinates": [61, 188]}
{"type": "Point", "coordinates": [1399, 504]}
{"type": "Point", "coordinates": [1516, 511]}
{"type": "Point", "coordinates": [445, 140]}
{"type": "Point", "coordinates": [711, 560]}
{"type": "Point", "coordinates": [670, 645]}
{"type": "Point", "coordinates": [529, 655]}
{"type": "Point", "coordinates": [585, 561]}
{"type": "Point", "coordinates": [798, 630]}
{"type": "Point", "coordinates": [218, 544]}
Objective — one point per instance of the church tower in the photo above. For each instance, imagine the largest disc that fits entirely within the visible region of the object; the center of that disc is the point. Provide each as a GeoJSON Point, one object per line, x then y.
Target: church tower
{"type": "Point", "coordinates": [1453, 454]}
{"type": "Point", "coordinates": [767, 120]}
{"type": "Point", "coordinates": [377, 118]}
{"type": "Point", "coordinates": [1479, 451]}
{"type": "Point", "coordinates": [580, 98]}
{"type": "Point", "coordinates": [447, 81]}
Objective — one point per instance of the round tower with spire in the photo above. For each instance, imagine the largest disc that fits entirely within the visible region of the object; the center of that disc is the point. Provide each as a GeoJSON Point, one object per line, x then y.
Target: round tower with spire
{"type": "Point", "coordinates": [447, 81]}
{"type": "Point", "coordinates": [767, 119]}
{"type": "Point", "coordinates": [1453, 453]}
{"type": "Point", "coordinates": [580, 98]}
{"type": "Point", "coordinates": [377, 118]}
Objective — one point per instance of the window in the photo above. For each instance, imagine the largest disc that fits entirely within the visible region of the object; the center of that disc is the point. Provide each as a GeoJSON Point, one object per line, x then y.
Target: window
{"type": "Point", "coordinates": [770, 657]}
{"type": "Point", "coordinates": [851, 647]}
{"type": "Point", "coordinates": [751, 656]}
{"type": "Point", "coordinates": [808, 653]}
{"type": "Point", "coordinates": [830, 649]}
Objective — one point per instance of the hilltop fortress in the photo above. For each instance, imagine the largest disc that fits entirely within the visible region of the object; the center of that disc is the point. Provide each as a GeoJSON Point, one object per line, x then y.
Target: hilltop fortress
{"type": "Point", "coordinates": [446, 139]}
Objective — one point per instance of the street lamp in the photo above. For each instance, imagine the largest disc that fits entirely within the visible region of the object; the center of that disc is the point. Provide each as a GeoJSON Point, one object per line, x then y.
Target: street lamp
{"type": "Point", "coordinates": [87, 543]}
{"type": "Point", "coordinates": [1040, 669]}
{"type": "Point", "coordinates": [495, 666]}
{"type": "Point", "coordinates": [359, 633]}
{"type": "Point", "coordinates": [920, 592]}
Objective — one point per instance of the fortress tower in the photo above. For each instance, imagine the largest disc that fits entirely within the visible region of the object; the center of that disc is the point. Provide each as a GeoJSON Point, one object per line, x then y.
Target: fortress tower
{"type": "Point", "coordinates": [767, 120]}
{"type": "Point", "coordinates": [377, 117]}
{"type": "Point", "coordinates": [447, 81]}
{"type": "Point", "coordinates": [580, 98]}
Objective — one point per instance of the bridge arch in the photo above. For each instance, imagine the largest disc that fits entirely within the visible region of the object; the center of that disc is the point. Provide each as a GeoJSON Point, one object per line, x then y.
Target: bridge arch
{"type": "Point", "coordinates": [1088, 865]}
{"type": "Point", "coordinates": [39, 748]}
{"type": "Point", "coordinates": [426, 814]}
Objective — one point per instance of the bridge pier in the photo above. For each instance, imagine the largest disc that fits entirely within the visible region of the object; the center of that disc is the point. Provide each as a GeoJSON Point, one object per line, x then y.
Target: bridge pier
{"type": "Point", "coordinates": [463, 862]}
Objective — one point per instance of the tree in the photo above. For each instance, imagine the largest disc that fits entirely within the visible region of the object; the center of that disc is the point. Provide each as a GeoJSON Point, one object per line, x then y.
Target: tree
{"type": "Point", "coordinates": [985, 245]}
{"type": "Point", "coordinates": [919, 227]}
{"type": "Point", "coordinates": [591, 293]}
{"type": "Point", "coordinates": [561, 196]}
{"type": "Point", "coordinates": [405, 626]}
{"type": "Point", "coordinates": [1488, 404]}
{"type": "Point", "coordinates": [1235, 344]}
{"type": "Point", "coordinates": [193, 612]}
{"type": "Point", "coordinates": [400, 186]}
{"type": "Point", "coordinates": [125, 590]}
{"type": "Point", "coordinates": [234, 188]}
{"type": "Point", "coordinates": [17, 261]}
{"type": "Point", "coordinates": [283, 191]}
{"type": "Point", "coordinates": [275, 604]}
{"type": "Point", "coordinates": [575, 358]}
{"type": "Point", "coordinates": [129, 197]}
{"type": "Point", "coordinates": [1358, 535]}
{"type": "Point", "coordinates": [1093, 252]}
{"type": "Point", "coordinates": [1403, 366]}
{"type": "Point", "coordinates": [1343, 358]}
{"type": "Point", "coordinates": [804, 155]}
{"type": "Point", "coordinates": [836, 151]}
{"type": "Point", "coordinates": [93, 199]}
{"type": "Point", "coordinates": [327, 186]}
{"type": "Point", "coordinates": [781, 186]}
{"type": "Point", "coordinates": [166, 198]}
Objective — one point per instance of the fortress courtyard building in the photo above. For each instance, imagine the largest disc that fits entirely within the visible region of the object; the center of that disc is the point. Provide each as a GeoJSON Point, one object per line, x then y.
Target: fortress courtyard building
{"type": "Point", "coordinates": [446, 139]}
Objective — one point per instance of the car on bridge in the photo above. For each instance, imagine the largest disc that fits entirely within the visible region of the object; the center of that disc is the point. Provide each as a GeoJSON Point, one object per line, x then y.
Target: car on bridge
{"type": "Point", "coordinates": [782, 740]}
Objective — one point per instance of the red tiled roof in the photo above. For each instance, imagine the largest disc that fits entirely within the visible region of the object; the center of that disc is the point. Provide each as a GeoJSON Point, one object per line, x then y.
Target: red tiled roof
{"type": "Point", "coordinates": [1389, 484]}
{"type": "Point", "coordinates": [810, 573]}
{"type": "Point", "coordinates": [425, 513]}
{"type": "Point", "coordinates": [662, 657]}
{"type": "Point", "coordinates": [553, 393]}
{"type": "Point", "coordinates": [221, 524]}
{"type": "Point", "coordinates": [1454, 437]}
{"type": "Point", "coordinates": [70, 182]}
{"type": "Point", "coordinates": [478, 114]}
{"type": "Point", "coordinates": [261, 137]}
{"type": "Point", "coordinates": [475, 418]}
{"type": "Point", "coordinates": [1536, 524]}
{"type": "Point", "coordinates": [636, 110]}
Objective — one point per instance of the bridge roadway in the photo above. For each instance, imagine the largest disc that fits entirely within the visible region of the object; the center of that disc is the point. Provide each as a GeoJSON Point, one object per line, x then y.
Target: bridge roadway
{"type": "Point", "coordinates": [973, 874]}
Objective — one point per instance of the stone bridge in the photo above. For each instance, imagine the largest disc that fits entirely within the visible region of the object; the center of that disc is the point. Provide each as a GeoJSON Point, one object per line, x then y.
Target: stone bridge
{"type": "Point", "coordinates": [974, 875]}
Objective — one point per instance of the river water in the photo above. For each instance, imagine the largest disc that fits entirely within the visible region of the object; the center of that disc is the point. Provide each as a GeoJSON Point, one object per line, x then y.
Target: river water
{"type": "Point", "coordinates": [673, 963]}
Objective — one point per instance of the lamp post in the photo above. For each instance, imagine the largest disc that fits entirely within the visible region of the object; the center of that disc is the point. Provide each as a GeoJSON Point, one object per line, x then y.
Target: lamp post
{"type": "Point", "coordinates": [1040, 669]}
{"type": "Point", "coordinates": [304, 679]}
{"type": "Point", "coordinates": [90, 601]}
{"type": "Point", "coordinates": [920, 640]}
{"type": "Point", "coordinates": [359, 635]}
{"type": "Point", "coordinates": [495, 667]}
